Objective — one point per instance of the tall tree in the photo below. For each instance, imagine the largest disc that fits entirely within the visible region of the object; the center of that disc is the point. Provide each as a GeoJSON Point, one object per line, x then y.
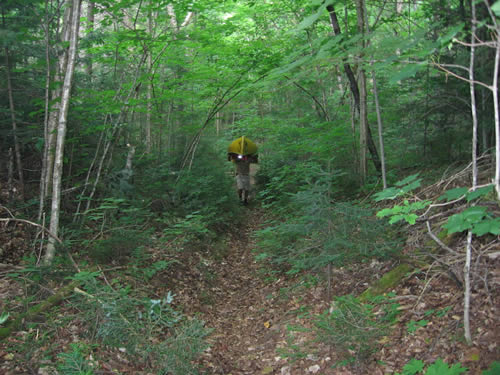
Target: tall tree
{"type": "Point", "coordinates": [73, 27]}
{"type": "Point", "coordinates": [366, 136]}
{"type": "Point", "coordinates": [17, 148]}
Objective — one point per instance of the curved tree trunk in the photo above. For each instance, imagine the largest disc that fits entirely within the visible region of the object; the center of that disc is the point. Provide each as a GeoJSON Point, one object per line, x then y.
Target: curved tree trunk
{"type": "Point", "coordinates": [353, 84]}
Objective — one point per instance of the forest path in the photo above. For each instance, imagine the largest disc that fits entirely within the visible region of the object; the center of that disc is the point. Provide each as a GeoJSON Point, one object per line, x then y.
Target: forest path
{"type": "Point", "coordinates": [241, 313]}
{"type": "Point", "coordinates": [248, 313]}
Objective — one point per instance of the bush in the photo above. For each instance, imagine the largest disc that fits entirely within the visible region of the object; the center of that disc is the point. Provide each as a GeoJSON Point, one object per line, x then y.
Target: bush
{"type": "Point", "coordinates": [177, 354]}
{"type": "Point", "coordinates": [318, 232]}
{"type": "Point", "coordinates": [150, 330]}
{"type": "Point", "coordinates": [355, 327]}
{"type": "Point", "coordinates": [74, 362]}
{"type": "Point", "coordinates": [120, 244]}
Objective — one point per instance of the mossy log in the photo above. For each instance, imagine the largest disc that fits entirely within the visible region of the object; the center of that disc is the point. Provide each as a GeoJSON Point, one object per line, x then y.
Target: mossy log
{"type": "Point", "coordinates": [390, 280]}
{"type": "Point", "coordinates": [15, 324]}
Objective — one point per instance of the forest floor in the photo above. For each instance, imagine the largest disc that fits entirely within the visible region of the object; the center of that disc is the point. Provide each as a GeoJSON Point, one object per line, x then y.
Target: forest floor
{"type": "Point", "coordinates": [262, 321]}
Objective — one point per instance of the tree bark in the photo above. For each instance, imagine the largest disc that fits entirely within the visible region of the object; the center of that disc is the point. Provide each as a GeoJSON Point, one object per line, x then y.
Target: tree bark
{"type": "Point", "coordinates": [61, 130]}
{"type": "Point", "coordinates": [363, 105]}
{"type": "Point", "coordinates": [380, 131]}
{"type": "Point", "coordinates": [53, 115]}
{"type": "Point", "coordinates": [43, 173]}
{"type": "Point", "coordinates": [149, 90]}
{"type": "Point", "coordinates": [90, 24]}
{"type": "Point", "coordinates": [17, 149]}
{"type": "Point", "coordinates": [468, 250]}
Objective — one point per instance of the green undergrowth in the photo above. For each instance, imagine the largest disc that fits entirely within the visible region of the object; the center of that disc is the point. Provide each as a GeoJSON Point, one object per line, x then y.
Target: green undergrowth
{"type": "Point", "coordinates": [353, 327]}
{"type": "Point", "coordinates": [102, 315]}
{"type": "Point", "coordinates": [314, 231]}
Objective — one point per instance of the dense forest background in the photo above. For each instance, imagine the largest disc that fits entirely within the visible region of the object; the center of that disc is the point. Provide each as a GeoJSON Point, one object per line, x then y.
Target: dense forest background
{"type": "Point", "coordinates": [115, 117]}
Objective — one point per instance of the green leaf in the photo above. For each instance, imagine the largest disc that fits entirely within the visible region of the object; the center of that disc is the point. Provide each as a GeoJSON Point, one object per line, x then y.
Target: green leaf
{"type": "Point", "coordinates": [495, 366]}
{"type": "Point", "coordinates": [4, 317]}
{"type": "Point", "coordinates": [389, 193]}
{"type": "Point", "coordinates": [441, 368]}
{"type": "Point", "coordinates": [411, 218]}
{"type": "Point", "coordinates": [386, 212]}
{"type": "Point", "coordinates": [407, 72]}
{"type": "Point", "coordinates": [456, 223]}
{"type": "Point", "coordinates": [496, 8]}
{"type": "Point", "coordinates": [413, 367]}
{"type": "Point", "coordinates": [309, 20]}
{"type": "Point", "coordinates": [396, 218]}
{"type": "Point", "coordinates": [453, 194]}
{"type": "Point", "coordinates": [452, 32]}
{"type": "Point", "coordinates": [465, 220]}
{"type": "Point", "coordinates": [407, 180]}
{"type": "Point", "coordinates": [410, 187]}
{"type": "Point", "coordinates": [487, 226]}
{"type": "Point", "coordinates": [474, 214]}
{"type": "Point", "coordinates": [479, 192]}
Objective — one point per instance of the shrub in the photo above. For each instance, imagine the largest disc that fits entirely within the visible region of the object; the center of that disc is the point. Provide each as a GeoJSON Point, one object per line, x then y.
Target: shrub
{"type": "Point", "coordinates": [150, 330]}
{"type": "Point", "coordinates": [319, 232]}
{"type": "Point", "coordinates": [74, 362]}
{"type": "Point", "coordinates": [120, 244]}
{"type": "Point", "coordinates": [355, 327]}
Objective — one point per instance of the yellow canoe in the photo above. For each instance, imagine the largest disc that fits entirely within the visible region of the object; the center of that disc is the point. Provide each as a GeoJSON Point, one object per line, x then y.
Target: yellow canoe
{"type": "Point", "coordinates": [242, 146]}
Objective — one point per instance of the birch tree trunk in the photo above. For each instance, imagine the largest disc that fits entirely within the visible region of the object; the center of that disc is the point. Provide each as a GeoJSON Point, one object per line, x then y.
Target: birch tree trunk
{"type": "Point", "coordinates": [73, 28]}
{"type": "Point", "coordinates": [497, 114]}
{"type": "Point", "coordinates": [53, 113]}
{"type": "Point", "coordinates": [43, 174]}
{"type": "Point", "coordinates": [468, 251]}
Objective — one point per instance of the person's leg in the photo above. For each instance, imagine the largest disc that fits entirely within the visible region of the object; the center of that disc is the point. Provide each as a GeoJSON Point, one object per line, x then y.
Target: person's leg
{"type": "Point", "coordinates": [245, 197]}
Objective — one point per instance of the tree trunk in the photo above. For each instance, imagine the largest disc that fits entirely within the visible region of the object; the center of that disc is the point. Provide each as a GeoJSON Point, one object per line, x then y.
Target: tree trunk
{"type": "Point", "coordinates": [43, 173]}
{"type": "Point", "coordinates": [149, 90]}
{"type": "Point", "coordinates": [380, 131]}
{"type": "Point", "coordinates": [90, 25]}
{"type": "Point", "coordinates": [53, 115]}
{"type": "Point", "coordinates": [17, 149]}
{"type": "Point", "coordinates": [353, 84]}
{"type": "Point", "coordinates": [61, 130]}
{"type": "Point", "coordinates": [363, 125]}
{"type": "Point", "coordinates": [468, 251]}
{"type": "Point", "coordinates": [363, 105]}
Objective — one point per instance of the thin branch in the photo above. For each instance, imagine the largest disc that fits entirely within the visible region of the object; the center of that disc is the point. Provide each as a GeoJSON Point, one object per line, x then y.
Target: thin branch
{"type": "Point", "coordinates": [443, 68]}
{"type": "Point", "coordinates": [34, 224]}
{"type": "Point", "coordinates": [438, 241]}
{"type": "Point", "coordinates": [312, 97]}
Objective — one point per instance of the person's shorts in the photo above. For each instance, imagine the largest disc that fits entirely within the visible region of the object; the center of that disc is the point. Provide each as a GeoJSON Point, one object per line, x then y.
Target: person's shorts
{"type": "Point", "coordinates": [243, 182]}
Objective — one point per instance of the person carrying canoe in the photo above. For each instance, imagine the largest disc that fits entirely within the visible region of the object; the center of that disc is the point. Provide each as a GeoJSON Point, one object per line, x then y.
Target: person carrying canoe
{"type": "Point", "coordinates": [243, 177]}
{"type": "Point", "coordinates": [242, 152]}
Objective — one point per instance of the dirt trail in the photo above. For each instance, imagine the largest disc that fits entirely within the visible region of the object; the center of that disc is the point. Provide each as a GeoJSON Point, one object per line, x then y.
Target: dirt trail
{"type": "Point", "coordinates": [244, 340]}
{"type": "Point", "coordinates": [250, 314]}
